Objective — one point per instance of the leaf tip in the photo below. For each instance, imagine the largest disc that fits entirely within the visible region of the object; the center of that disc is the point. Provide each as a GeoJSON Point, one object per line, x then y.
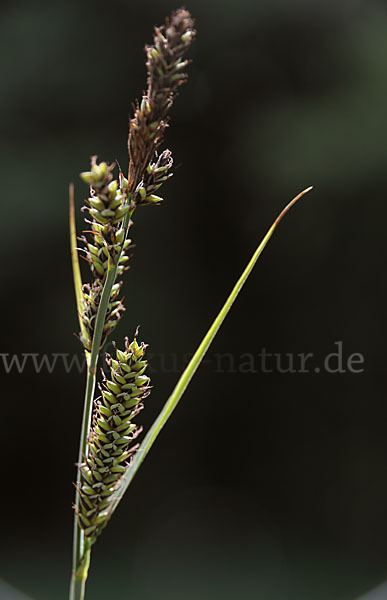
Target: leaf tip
{"type": "Point", "coordinates": [291, 203]}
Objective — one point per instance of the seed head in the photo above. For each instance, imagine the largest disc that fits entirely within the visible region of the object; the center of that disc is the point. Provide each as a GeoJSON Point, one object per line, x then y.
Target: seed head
{"type": "Point", "coordinates": [110, 447]}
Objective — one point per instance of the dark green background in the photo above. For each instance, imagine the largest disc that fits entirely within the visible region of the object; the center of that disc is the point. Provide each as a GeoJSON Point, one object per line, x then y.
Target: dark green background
{"type": "Point", "coordinates": [269, 486]}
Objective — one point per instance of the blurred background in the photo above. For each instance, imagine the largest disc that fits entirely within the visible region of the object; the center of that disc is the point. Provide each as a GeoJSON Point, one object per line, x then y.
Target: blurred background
{"type": "Point", "coordinates": [269, 485]}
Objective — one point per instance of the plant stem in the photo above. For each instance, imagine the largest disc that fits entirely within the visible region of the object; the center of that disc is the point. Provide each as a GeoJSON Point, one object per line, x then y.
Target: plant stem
{"type": "Point", "coordinates": [79, 577]}
{"type": "Point", "coordinates": [81, 550]}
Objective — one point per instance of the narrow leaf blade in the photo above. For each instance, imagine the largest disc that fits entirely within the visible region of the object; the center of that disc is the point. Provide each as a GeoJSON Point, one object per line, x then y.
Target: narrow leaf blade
{"type": "Point", "coordinates": [75, 259]}
{"type": "Point", "coordinates": [190, 370]}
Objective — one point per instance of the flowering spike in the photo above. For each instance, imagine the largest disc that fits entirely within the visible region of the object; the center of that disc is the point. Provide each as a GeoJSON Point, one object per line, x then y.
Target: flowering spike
{"type": "Point", "coordinates": [112, 432]}
{"type": "Point", "coordinates": [164, 67]}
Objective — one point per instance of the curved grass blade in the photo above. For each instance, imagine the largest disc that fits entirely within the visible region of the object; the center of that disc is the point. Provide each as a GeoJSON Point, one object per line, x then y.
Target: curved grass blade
{"type": "Point", "coordinates": [75, 260]}
{"type": "Point", "coordinates": [190, 370]}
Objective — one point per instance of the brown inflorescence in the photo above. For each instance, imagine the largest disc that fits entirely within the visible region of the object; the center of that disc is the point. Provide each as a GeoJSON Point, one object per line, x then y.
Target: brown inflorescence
{"type": "Point", "coordinates": [166, 72]}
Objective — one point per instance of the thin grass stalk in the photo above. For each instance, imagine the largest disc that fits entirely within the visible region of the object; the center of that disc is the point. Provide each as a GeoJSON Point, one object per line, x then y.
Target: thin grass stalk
{"type": "Point", "coordinates": [78, 580]}
{"type": "Point", "coordinates": [81, 548]}
{"type": "Point", "coordinates": [78, 577]}
{"type": "Point", "coordinates": [193, 365]}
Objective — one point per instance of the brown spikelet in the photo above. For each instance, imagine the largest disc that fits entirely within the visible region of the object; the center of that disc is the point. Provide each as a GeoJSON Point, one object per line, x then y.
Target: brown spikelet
{"type": "Point", "coordinates": [165, 66]}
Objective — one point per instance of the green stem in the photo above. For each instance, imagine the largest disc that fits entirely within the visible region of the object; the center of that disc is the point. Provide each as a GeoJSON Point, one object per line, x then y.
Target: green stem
{"type": "Point", "coordinates": [79, 577]}
{"type": "Point", "coordinates": [81, 551]}
{"type": "Point", "coordinates": [78, 542]}
{"type": "Point", "coordinates": [190, 370]}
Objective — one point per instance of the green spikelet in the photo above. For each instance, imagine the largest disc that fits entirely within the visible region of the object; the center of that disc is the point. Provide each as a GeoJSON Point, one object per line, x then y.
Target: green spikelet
{"type": "Point", "coordinates": [107, 206]}
{"type": "Point", "coordinates": [112, 432]}
{"type": "Point", "coordinates": [91, 299]}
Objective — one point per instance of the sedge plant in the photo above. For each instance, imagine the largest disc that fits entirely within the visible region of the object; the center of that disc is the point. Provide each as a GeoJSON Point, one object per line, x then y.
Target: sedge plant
{"type": "Point", "coordinates": [109, 456]}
